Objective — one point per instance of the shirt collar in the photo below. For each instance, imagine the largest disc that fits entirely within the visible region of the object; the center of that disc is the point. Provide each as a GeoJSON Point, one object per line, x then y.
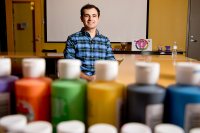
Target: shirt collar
{"type": "Point", "coordinates": [87, 34]}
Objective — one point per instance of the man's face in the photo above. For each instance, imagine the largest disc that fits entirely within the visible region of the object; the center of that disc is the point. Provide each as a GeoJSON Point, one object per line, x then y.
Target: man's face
{"type": "Point", "coordinates": [90, 18]}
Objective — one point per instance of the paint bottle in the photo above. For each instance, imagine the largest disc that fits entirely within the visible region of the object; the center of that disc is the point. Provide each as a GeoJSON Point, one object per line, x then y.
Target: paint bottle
{"type": "Point", "coordinates": [182, 102]}
{"type": "Point", "coordinates": [7, 101]}
{"type": "Point", "coordinates": [72, 126]}
{"type": "Point", "coordinates": [33, 91]}
{"type": "Point", "coordinates": [134, 127]}
{"type": "Point", "coordinates": [13, 123]}
{"type": "Point", "coordinates": [195, 130]}
{"type": "Point", "coordinates": [105, 95]}
{"type": "Point", "coordinates": [38, 127]}
{"type": "Point", "coordinates": [68, 93]}
{"type": "Point", "coordinates": [168, 128]}
{"type": "Point", "coordinates": [102, 128]}
{"type": "Point", "coordinates": [145, 98]}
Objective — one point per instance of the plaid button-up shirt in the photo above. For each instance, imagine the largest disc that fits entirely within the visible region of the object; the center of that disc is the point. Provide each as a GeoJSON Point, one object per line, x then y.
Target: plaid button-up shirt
{"type": "Point", "coordinates": [81, 46]}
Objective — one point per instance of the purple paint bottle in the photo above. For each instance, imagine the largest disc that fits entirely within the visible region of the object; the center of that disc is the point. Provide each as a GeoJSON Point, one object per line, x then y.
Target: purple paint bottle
{"type": "Point", "coordinates": [7, 105]}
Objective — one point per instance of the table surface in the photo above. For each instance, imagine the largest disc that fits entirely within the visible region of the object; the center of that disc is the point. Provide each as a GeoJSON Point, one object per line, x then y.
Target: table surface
{"type": "Point", "coordinates": [167, 67]}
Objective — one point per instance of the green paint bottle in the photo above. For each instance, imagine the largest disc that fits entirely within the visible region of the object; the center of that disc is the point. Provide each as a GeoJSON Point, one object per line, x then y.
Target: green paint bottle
{"type": "Point", "coordinates": [68, 93]}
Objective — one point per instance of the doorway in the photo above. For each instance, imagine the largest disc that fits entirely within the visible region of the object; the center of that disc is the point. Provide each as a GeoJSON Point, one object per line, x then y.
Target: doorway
{"type": "Point", "coordinates": [24, 27]}
{"type": "Point", "coordinates": [3, 41]}
{"type": "Point", "coordinates": [193, 37]}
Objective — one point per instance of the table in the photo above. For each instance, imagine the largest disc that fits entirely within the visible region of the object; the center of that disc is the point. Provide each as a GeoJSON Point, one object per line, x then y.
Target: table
{"type": "Point", "coordinates": [167, 67]}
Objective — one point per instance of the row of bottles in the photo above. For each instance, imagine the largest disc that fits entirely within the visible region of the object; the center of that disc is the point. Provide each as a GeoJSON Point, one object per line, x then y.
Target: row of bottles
{"type": "Point", "coordinates": [18, 123]}
{"type": "Point", "coordinates": [104, 100]}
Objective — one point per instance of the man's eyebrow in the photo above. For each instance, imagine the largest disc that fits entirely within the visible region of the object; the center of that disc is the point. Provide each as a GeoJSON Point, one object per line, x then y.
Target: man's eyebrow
{"type": "Point", "coordinates": [92, 14]}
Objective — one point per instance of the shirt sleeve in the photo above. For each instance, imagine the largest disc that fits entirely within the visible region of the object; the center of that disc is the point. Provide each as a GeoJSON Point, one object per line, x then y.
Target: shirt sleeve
{"type": "Point", "coordinates": [109, 53]}
{"type": "Point", "coordinates": [69, 51]}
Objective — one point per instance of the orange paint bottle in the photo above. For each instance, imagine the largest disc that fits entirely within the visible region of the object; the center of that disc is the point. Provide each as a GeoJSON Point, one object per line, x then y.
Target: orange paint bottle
{"type": "Point", "coordinates": [33, 91]}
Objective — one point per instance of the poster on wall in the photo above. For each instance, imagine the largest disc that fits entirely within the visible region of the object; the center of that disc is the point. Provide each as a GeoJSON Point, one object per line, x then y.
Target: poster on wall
{"type": "Point", "coordinates": [142, 45]}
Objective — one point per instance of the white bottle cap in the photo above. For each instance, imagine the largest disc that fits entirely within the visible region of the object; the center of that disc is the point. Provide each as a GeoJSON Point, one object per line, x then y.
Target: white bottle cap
{"type": "Point", "coordinates": [73, 126]}
{"type": "Point", "coordinates": [168, 128]}
{"type": "Point", "coordinates": [13, 123]}
{"type": "Point", "coordinates": [187, 73]}
{"type": "Point", "coordinates": [106, 70]}
{"type": "Point", "coordinates": [69, 68]}
{"type": "Point", "coordinates": [102, 128]}
{"type": "Point", "coordinates": [195, 130]}
{"type": "Point", "coordinates": [33, 67]}
{"type": "Point", "coordinates": [147, 72]}
{"type": "Point", "coordinates": [5, 67]}
{"type": "Point", "coordinates": [135, 128]}
{"type": "Point", "coordinates": [38, 127]}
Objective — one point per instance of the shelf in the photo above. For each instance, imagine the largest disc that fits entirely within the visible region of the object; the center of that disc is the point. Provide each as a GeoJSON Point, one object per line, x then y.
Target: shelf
{"type": "Point", "coordinates": [147, 52]}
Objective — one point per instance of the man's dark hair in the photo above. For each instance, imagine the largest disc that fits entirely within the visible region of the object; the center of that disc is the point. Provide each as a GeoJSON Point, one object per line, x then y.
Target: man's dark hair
{"type": "Point", "coordinates": [89, 6]}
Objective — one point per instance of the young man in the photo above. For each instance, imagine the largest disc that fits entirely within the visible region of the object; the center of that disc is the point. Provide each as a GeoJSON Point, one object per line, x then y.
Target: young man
{"type": "Point", "coordinates": [88, 45]}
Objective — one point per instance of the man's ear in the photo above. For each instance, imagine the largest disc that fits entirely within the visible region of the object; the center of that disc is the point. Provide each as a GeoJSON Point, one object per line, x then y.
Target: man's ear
{"type": "Point", "coordinates": [81, 18]}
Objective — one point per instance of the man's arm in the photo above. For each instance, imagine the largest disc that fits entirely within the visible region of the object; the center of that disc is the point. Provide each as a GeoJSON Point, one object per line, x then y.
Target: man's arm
{"type": "Point", "coordinates": [109, 53]}
{"type": "Point", "coordinates": [69, 51]}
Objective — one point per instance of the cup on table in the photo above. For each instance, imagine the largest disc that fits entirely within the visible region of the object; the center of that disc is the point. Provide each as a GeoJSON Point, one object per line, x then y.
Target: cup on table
{"type": "Point", "coordinates": [167, 48]}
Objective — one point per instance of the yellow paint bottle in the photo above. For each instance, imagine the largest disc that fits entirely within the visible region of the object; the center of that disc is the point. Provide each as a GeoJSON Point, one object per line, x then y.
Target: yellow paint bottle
{"type": "Point", "coordinates": [105, 95]}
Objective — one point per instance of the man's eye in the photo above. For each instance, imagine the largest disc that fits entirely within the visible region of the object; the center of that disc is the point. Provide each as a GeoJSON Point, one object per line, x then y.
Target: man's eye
{"type": "Point", "coordinates": [86, 15]}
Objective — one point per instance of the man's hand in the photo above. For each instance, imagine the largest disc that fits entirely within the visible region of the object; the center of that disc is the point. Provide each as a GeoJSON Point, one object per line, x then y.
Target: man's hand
{"type": "Point", "coordinates": [92, 78]}
{"type": "Point", "coordinates": [88, 78]}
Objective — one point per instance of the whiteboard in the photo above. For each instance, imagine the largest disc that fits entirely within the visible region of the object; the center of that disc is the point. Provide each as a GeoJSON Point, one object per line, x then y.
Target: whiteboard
{"type": "Point", "coordinates": [120, 20]}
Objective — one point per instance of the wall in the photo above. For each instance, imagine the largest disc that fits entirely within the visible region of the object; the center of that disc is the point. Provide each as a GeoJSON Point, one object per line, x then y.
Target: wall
{"type": "Point", "coordinates": [167, 23]}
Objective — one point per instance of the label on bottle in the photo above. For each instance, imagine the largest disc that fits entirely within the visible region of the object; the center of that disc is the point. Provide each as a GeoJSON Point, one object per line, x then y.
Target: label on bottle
{"type": "Point", "coordinates": [58, 107]}
{"type": "Point", "coordinates": [4, 104]}
{"type": "Point", "coordinates": [23, 107]}
{"type": "Point", "coordinates": [119, 112]}
{"type": "Point", "coordinates": [192, 116]}
{"type": "Point", "coordinates": [154, 115]}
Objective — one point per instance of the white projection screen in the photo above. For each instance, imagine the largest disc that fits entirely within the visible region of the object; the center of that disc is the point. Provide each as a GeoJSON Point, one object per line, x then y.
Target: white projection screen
{"type": "Point", "coordinates": [120, 20]}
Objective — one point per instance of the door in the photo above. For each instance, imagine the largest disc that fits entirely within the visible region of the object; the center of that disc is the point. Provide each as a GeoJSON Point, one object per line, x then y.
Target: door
{"type": "Point", "coordinates": [23, 14]}
{"type": "Point", "coordinates": [24, 27]}
{"type": "Point", "coordinates": [193, 38]}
